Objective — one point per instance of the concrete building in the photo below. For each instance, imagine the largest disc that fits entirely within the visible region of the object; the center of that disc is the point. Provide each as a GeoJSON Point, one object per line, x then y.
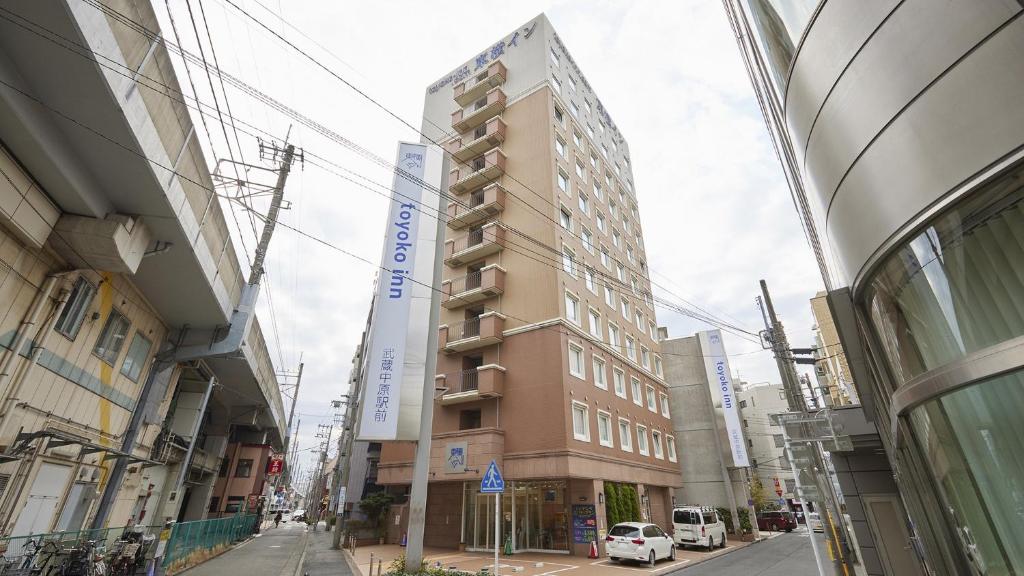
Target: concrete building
{"type": "Point", "coordinates": [710, 476]}
{"type": "Point", "coordinates": [901, 133]}
{"type": "Point", "coordinates": [548, 360]}
{"type": "Point", "coordinates": [131, 355]}
{"type": "Point", "coordinates": [835, 382]}
{"type": "Point", "coordinates": [765, 443]}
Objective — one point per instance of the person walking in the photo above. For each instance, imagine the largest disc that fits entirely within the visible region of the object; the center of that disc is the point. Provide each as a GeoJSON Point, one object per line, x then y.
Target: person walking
{"type": "Point", "coordinates": [277, 519]}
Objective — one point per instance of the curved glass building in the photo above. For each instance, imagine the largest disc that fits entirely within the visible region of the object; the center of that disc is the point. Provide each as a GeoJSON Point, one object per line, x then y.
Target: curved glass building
{"type": "Point", "coordinates": [900, 126]}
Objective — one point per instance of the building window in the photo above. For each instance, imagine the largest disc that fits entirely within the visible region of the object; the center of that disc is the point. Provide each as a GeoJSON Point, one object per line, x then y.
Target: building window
{"type": "Point", "coordinates": [600, 374]}
{"type": "Point", "coordinates": [600, 222]}
{"type": "Point", "coordinates": [743, 404]}
{"type": "Point", "coordinates": [588, 277]}
{"type": "Point", "coordinates": [225, 467]}
{"type": "Point", "coordinates": [641, 440]}
{"type": "Point", "coordinates": [595, 324]}
{"type": "Point", "coordinates": [604, 151]}
{"type": "Point", "coordinates": [469, 419]}
{"type": "Point", "coordinates": [73, 315]}
{"type": "Point", "coordinates": [605, 261]}
{"type": "Point", "coordinates": [779, 439]}
{"type": "Point", "coordinates": [590, 130]}
{"type": "Point", "coordinates": [634, 384]}
{"type": "Point", "coordinates": [572, 308]}
{"type": "Point", "coordinates": [597, 189]}
{"type": "Point", "coordinates": [138, 351]}
{"type": "Point", "coordinates": [214, 504]}
{"type": "Point", "coordinates": [568, 261]}
{"type": "Point", "coordinates": [621, 273]}
{"type": "Point", "coordinates": [616, 239]}
{"type": "Point", "coordinates": [625, 307]}
{"type": "Point", "coordinates": [554, 58]}
{"type": "Point", "coordinates": [577, 139]}
{"type": "Point", "coordinates": [654, 336]}
{"type": "Point", "coordinates": [586, 104]}
{"type": "Point", "coordinates": [609, 296]}
{"type": "Point", "coordinates": [664, 406]}
{"type": "Point", "coordinates": [671, 445]}
{"type": "Point", "coordinates": [111, 339]}
{"type": "Point", "coordinates": [234, 504]}
{"type": "Point", "coordinates": [563, 182]}
{"type": "Point", "coordinates": [652, 400]}
{"type": "Point", "coordinates": [657, 366]}
{"type": "Point", "coordinates": [629, 253]}
{"type": "Point", "coordinates": [613, 336]}
{"type": "Point", "coordinates": [574, 109]}
{"type": "Point", "coordinates": [244, 468]}
{"type": "Point", "coordinates": [619, 378]}
{"type": "Point", "coordinates": [580, 422]}
{"type": "Point", "coordinates": [572, 83]}
{"type": "Point", "coordinates": [579, 169]}
{"type": "Point", "coordinates": [560, 147]}
{"type": "Point", "coordinates": [556, 84]}
{"type": "Point", "coordinates": [593, 161]}
{"type": "Point", "coordinates": [625, 436]}
{"type": "Point", "coordinates": [640, 324]}
{"type": "Point", "coordinates": [587, 237]}
{"type": "Point", "coordinates": [576, 361]}
{"type": "Point", "coordinates": [659, 450]}
{"type": "Point", "coordinates": [604, 429]}
{"type": "Point", "coordinates": [645, 357]}
{"type": "Point", "coordinates": [565, 219]}
{"type": "Point", "coordinates": [559, 117]}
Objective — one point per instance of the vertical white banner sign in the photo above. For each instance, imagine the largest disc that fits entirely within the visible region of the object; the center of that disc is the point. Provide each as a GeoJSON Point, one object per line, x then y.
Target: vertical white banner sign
{"type": "Point", "coordinates": [394, 376]}
{"type": "Point", "coordinates": [720, 377]}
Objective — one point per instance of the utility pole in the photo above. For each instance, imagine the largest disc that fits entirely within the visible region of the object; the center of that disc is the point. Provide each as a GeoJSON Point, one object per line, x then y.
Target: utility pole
{"type": "Point", "coordinates": [288, 432]}
{"type": "Point", "coordinates": [323, 431]}
{"type": "Point", "coordinates": [832, 519]}
{"type": "Point", "coordinates": [342, 465]}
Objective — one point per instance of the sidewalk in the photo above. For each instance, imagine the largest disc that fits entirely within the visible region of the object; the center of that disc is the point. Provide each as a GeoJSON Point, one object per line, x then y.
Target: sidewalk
{"type": "Point", "coordinates": [320, 560]}
{"type": "Point", "coordinates": [274, 552]}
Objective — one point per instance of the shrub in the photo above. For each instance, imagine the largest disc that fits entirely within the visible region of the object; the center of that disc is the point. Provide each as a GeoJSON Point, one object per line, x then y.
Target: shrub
{"type": "Point", "coordinates": [726, 515]}
{"type": "Point", "coordinates": [744, 516]}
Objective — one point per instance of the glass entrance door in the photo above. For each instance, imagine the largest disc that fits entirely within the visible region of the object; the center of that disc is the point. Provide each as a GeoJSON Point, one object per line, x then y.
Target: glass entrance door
{"type": "Point", "coordinates": [483, 517]}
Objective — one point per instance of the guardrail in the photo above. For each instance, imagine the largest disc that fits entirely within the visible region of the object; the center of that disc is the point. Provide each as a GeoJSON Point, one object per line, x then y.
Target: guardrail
{"type": "Point", "coordinates": [468, 329]}
{"type": "Point", "coordinates": [193, 542]}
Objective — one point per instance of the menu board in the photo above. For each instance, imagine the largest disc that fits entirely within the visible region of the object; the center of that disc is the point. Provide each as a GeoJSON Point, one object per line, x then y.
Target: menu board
{"type": "Point", "coordinates": [584, 523]}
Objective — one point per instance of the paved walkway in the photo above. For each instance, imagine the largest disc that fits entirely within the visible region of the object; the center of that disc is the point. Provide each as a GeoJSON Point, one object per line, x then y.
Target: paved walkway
{"type": "Point", "coordinates": [783, 555]}
{"type": "Point", "coordinates": [275, 552]}
{"type": "Point", "coordinates": [320, 559]}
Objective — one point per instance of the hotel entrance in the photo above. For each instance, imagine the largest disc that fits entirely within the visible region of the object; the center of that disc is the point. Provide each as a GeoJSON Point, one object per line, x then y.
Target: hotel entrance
{"type": "Point", "coordinates": [535, 513]}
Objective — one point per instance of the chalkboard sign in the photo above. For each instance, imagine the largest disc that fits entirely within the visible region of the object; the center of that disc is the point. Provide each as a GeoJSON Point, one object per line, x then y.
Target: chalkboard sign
{"type": "Point", "coordinates": [584, 523]}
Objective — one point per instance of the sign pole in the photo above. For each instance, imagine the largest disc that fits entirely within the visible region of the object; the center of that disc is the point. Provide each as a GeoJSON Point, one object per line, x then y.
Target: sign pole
{"type": "Point", "coordinates": [497, 528]}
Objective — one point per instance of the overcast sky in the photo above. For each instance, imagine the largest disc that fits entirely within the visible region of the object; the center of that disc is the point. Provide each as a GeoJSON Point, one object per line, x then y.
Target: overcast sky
{"type": "Point", "coordinates": [715, 209]}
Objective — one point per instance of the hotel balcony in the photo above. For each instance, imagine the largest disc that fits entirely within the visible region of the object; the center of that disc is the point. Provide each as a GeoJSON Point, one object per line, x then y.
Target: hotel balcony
{"type": "Point", "coordinates": [480, 111]}
{"type": "Point", "coordinates": [483, 169]}
{"type": "Point", "coordinates": [472, 144]}
{"type": "Point", "coordinates": [473, 384]}
{"type": "Point", "coordinates": [473, 333]}
{"type": "Point", "coordinates": [473, 89]}
{"type": "Point", "coordinates": [482, 205]}
{"type": "Point", "coordinates": [478, 243]}
{"type": "Point", "coordinates": [473, 287]}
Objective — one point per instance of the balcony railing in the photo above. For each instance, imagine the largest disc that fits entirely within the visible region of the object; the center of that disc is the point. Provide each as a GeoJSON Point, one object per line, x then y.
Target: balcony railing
{"type": "Point", "coordinates": [473, 287]}
{"type": "Point", "coordinates": [481, 205]}
{"type": "Point", "coordinates": [467, 92]}
{"type": "Point", "coordinates": [475, 245]}
{"type": "Point", "coordinates": [478, 172]}
{"type": "Point", "coordinates": [468, 385]}
{"type": "Point", "coordinates": [472, 333]}
{"type": "Point", "coordinates": [472, 144]}
{"type": "Point", "coordinates": [486, 107]}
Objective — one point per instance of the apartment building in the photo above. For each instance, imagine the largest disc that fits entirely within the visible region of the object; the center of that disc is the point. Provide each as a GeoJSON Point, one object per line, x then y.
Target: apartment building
{"type": "Point", "coordinates": [765, 442]}
{"type": "Point", "coordinates": [831, 369]}
{"type": "Point", "coordinates": [900, 130]}
{"type": "Point", "coordinates": [130, 355]}
{"type": "Point", "coordinates": [548, 359]}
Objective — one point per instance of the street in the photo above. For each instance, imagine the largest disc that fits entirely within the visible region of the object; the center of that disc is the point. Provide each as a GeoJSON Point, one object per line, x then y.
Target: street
{"type": "Point", "coordinates": [265, 555]}
{"type": "Point", "coordinates": [784, 555]}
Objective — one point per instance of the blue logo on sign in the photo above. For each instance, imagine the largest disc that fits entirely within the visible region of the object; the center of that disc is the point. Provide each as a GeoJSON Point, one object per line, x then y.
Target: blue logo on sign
{"type": "Point", "coordinates": [492, 482]}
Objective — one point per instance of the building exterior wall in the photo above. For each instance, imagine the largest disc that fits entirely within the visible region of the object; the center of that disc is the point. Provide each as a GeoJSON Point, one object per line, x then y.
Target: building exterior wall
{"type": "Point", "coordinates": [901, 125]}
{"type": "Point", "coordinates": [522, 385]}
{"type": "Point", "coordinates": [764, 440]}
{"type": "Point", "coordinates": [230, 488]}
{"type": "Point", "coordinates": [832, 369]}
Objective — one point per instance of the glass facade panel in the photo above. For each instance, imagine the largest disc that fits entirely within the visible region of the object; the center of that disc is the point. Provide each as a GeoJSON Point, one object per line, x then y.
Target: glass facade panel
{"type": "Point", "coordinates": [956, 287]}
{"type": "Point", "coordinates": [970, 440]}
{"type": "Point", "coordinates": [779, 25]}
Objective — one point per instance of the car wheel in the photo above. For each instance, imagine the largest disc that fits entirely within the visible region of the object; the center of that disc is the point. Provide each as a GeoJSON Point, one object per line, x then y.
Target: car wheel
{"type": "Point", "coordinates": [672, 554]}
{"type": "Point", "coordinates": [722, 543]}
{"type": "Point", "coordinates": [613, 558]}
{"type": "Point", "coordinates": [651, 558]}
{"type": "Point", "coordinates": [788, 530]}
{"type": "Point", "coordinates": [711, 543]}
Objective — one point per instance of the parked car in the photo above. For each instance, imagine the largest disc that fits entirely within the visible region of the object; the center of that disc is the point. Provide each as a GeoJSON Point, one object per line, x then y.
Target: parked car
{"type": "Point", "coordinates": [697, 526]}
{"type": "Point", "coordinates": [776, 521]}
{"type": "Point", "coordinates": [638, 541]}
{"type": "Point", "coordinates": [299, 515]}
{"type": "Point", "coordinates": [814, 522]}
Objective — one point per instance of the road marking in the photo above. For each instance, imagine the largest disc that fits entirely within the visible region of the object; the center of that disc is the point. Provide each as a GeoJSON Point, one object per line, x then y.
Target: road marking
{"type": "Point", "coordinates": [671, 566]}
{"type": "Point", "coordinates": [274, 546]}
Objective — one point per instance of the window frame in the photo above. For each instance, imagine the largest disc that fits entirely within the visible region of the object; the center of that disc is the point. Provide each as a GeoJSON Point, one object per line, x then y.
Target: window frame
{"type": "Point", "coordinates": [652, 399]}
{"type": "Point", "coordinates": [76, 309]}
{"type": "Point", "coordinates": [585, 436]}
{"type": "Point", "coordinates": [607, 418]}
{"type": "Point", "coordinates": [603, 371]}
{"type": "Point", "coordinates": [575, 300]}
{"type": "Point", "coordinates": [574, 347]}
{"type": "Point", "coordinates": [626, 442]}
{"type": "Point", "coordinates": [642, 446]}
{"type": "Point", "coordinates": [96, 350]}
{"type": "Point", "coordinates": [658, 444]}
{"type": "Point", "coordinates": [619, 381]}
{"type": "Point", "coordinates": [636, 389]}
{"type": "Point", "coordinates": [593, 314]}
{"type": "Point", "coordinates": [665, 409]}
{"type": "Point", "coordinates": [129, 364]}
{"type": "Point", "coordinates": [670, 448]}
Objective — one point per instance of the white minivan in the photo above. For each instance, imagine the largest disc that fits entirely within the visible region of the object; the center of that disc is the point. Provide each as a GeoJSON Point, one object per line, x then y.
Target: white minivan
{"type": "Point", "coordinates": [697, 526]}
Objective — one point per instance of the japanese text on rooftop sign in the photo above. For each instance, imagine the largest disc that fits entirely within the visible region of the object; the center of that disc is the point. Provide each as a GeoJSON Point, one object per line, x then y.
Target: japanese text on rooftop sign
{"type": "Point", "coordinates": [484, 58]}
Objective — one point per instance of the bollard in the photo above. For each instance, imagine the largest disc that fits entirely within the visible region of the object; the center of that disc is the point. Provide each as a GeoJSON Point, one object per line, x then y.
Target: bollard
{"type": "Point", "coordinates": [371, 563]}
{"type": "Point", "coordinates": [379, 569]}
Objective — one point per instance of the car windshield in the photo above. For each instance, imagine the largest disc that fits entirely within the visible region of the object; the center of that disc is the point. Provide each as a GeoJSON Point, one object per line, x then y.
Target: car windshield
{"type": "Point", "coordinates": [627, 531]}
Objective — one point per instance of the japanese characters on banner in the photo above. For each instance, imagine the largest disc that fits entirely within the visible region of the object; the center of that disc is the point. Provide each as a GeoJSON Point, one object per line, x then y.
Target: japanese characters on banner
{"type": "Point", "coordinates": [397, 349]}
{"type": "Point", "coordinates": [720, 377]}
{"type": "Point", "coordinates": [276, 464]}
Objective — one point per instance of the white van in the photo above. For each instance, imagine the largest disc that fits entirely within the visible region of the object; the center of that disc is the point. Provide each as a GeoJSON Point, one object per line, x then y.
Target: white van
{"type": "Point", "coordinates": [697, 526]}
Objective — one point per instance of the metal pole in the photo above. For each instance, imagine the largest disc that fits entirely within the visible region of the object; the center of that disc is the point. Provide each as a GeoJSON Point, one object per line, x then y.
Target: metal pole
{"type": "Point", "coordinates": [803, 502]}
{"type": "Point", "coordinates": [421, 466]}
{"type": "Point", "coordinates": [344, 460]}
{"type": "Point", "coordinates": [256, 271]}
{"type": "Point", "coordinates": [497, 528]}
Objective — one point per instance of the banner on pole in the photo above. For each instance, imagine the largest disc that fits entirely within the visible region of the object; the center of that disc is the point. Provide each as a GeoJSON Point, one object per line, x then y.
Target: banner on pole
{"type": "Point", "coordinates": [397, 346]}
{"type": "Point", "coordinates": [717, 366]}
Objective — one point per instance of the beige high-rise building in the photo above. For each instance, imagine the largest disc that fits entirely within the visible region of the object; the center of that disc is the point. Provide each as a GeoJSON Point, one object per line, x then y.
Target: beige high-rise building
{"type": "Point", "coordinates": [549, 361]}
{"type": "Point", "coordinates": [831, 368]}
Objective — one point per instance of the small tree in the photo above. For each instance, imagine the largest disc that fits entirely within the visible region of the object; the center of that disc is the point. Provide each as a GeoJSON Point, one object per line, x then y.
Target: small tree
{"type": "Point", "coordinates": [632, 503]}
{"type": "Point", "coordinates": [744, 515]}
{"type": "Point", "coordinates": [611, 503]}
{"type": "Point", "coordinates": [375, 506]}
{"type": "Point", "coordinates": [759, 495]}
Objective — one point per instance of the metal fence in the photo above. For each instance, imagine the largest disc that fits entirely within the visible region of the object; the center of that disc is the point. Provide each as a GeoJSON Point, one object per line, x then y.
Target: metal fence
{"type": "Point", "coordinates": [193, 542]}
{"type": "Point", "coordinates": [471, 281]}
{"type": "Point", "coordinates": [468, 329]}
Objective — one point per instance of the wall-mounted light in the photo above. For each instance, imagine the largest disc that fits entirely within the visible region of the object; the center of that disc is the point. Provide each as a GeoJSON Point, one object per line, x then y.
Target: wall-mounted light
{"type": "Point", "coordinates": [600, 497]}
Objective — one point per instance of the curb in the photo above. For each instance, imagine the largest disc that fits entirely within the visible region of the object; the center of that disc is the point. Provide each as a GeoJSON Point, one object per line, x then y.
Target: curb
{"type": "Point", "coordinates": [295, 563]}
{"type": "Point", "coordinates": [351, 563]}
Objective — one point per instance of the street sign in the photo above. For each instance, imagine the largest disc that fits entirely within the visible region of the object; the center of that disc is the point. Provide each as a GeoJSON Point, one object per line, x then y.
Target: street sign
{"type": "Point", "coordinates": [492, 482]}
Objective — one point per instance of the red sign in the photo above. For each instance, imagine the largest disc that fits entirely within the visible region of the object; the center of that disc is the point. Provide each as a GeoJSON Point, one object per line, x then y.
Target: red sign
{"type": "Point", "coordinates": [778, 488]}
{"type": "Point", "coordinates": [276, 465]}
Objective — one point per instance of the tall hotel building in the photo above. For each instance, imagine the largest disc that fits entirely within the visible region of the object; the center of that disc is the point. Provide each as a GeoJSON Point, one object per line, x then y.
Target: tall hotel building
{"type": "Point", "coordinates": [548, 358]}
{"type": "Point", "coordinates": [901, 130]}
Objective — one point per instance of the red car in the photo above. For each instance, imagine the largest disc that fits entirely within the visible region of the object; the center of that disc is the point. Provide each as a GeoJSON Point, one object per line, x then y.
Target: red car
{"type": "Point", "coordinates": [776, 521]}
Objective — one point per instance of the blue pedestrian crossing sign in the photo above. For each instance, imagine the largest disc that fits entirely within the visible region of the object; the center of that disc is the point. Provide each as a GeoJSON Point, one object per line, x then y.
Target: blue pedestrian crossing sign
{"type": "Point", "coordinates": [492, 482]}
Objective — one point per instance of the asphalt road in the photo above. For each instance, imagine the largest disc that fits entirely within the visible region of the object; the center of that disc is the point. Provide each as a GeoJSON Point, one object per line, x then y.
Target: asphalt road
{"type": "Point", "coordinates": [265, 555]}
{"type": "Point", "coordinates": [785, 555]}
